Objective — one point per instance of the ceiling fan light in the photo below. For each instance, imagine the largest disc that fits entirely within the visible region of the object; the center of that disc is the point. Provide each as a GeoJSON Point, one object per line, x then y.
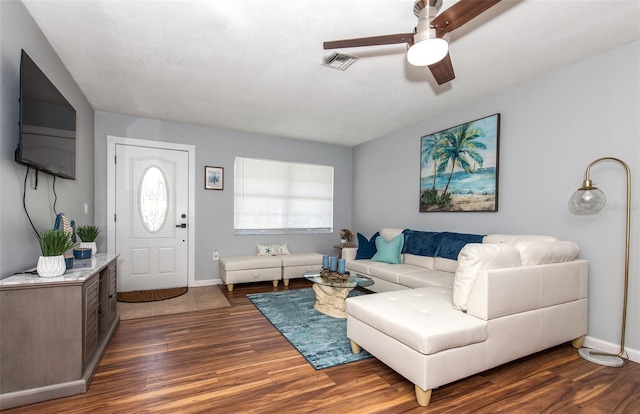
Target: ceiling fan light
{"type": "Point", "coordinates": [427, 52]}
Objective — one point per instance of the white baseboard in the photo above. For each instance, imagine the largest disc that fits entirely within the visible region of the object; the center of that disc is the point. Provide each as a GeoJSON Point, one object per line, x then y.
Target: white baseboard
{"type": "Point", "coordinates": [603, 346]}
{"type": "Point", "coordinates": [208, 282]}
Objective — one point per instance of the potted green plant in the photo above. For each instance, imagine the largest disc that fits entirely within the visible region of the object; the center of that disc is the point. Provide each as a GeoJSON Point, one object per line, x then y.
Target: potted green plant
{"type": "Point", "coordinates": [88, 235]}
{"type": "Point", "coordinates": [53, 244]}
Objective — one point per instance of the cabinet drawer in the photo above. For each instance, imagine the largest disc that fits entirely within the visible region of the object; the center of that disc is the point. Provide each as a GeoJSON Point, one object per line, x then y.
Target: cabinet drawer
{"type": "Point", "coordinates": [91, 318]}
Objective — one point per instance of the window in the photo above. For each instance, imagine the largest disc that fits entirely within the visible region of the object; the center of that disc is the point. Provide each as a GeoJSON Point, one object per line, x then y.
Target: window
{"type": "Point", "coordinates": [153, 199]}
{"type": "Point", "coordinates": [282, 197]}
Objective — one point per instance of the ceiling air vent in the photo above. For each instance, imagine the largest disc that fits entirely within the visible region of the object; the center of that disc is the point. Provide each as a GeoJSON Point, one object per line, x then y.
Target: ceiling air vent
{"type": "Point", "coordinates": [339, 61]}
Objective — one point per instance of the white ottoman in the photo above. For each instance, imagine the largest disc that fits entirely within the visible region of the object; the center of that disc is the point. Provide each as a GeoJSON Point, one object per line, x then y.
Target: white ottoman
{"type": "Point", "coordinates": [294, 265]}
{"type": "Point", "coordinates": [245, 269]}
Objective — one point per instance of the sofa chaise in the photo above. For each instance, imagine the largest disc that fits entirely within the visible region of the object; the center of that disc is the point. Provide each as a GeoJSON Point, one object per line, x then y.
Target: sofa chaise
{"type": "Point", "coordinates": [437, 320]}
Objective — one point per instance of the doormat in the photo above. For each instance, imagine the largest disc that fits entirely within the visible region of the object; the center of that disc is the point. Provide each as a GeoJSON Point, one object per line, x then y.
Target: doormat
{"type": "Point", "coordinates": [320, 338]}
{"type": "Point", "coordinates": [151, 295]}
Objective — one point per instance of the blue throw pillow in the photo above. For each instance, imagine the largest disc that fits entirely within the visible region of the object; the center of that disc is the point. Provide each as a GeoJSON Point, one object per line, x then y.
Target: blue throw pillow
{"type": "Point", "coordinates": [389, 251]}
{"type": "Point", "coordinates": [421, 243]}
{"type": "Point", "coordinates": [450, 244]}
{"type": "Point", "coordinates": [366, 248]}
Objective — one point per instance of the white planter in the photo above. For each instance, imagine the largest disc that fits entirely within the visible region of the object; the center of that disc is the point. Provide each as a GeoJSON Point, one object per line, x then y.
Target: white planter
{"type": "Point", "coordinates": [91, 245]}
{"type": "Point", "coordinates": [51, 266]}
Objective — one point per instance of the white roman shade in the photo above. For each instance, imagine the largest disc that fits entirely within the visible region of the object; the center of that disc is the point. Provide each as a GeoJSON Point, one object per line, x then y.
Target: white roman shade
{"type": "Point", "coordinates": [282, 197]}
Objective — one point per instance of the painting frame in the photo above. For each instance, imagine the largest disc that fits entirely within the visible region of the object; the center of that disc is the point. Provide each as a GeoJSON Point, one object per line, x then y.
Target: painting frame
{"type": "Point", "coordinates": [459, 167]}
{"type": "Point", "coordinates": [213, 178]}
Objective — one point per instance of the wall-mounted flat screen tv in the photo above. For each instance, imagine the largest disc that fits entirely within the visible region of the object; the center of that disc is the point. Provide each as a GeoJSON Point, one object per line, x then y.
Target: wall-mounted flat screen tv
{"type": "Point", "coordinates": [47, 124]}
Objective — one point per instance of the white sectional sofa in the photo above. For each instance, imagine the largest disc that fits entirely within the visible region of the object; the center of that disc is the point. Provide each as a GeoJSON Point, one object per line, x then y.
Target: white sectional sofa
{"type": "Point", "coordinates": [439, 319]}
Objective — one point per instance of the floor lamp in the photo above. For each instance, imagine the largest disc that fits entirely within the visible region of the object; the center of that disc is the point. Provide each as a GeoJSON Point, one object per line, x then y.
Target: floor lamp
{"type": "Point", "coordinates": [588, 199]}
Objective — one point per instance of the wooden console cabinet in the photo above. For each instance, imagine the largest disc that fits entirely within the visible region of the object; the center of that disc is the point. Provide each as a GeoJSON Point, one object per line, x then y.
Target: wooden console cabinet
{"type": "Point", "coordinates": [54, 331]}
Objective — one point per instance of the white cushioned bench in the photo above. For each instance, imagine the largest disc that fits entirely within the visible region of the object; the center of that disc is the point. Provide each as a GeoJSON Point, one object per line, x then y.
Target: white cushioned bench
{"type": "Point", "coordinates": [244, 269]}
{"type": "Point", "coordinates": [296, 264]}
{"type": "Point", "coordinates": [247, 269]}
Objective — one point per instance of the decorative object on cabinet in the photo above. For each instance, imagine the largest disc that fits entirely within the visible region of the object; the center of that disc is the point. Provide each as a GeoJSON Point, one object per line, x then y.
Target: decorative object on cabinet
{"type": "Point", "coordinates": [213, 178]}
{"type": "Point", "coordinates": [88, 235]}
{"type": "Point", "coordinates": [66, 225]}
{"type": "Point", "coordinates": [68, 262]}
{"type": "Point", "coordinates": [588, 200]}
{"type": "Point", "coordinates": [459, 167]}
{"type": "Point", "coordinates": [82, 253]}
{"type": "Point", "coordinates": [53, 244]}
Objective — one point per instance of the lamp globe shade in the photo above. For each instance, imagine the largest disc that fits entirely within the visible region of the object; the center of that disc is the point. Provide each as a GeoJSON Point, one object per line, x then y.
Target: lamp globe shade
{"type": "Point", "coordinates": [427, 52]}
{"type": "Point", "coordinates": [587, 201]}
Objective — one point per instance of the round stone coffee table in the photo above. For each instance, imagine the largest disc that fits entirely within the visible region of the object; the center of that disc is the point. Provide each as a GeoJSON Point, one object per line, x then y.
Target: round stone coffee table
{"type": "Point", "coordinates": [331, 295]}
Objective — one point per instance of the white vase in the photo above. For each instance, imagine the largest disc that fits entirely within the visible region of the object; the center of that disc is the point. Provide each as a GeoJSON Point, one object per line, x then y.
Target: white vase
{"type": "Point", "coordinates": [89, 245]}
{"type": "Point", "coordinates": [51, 266]}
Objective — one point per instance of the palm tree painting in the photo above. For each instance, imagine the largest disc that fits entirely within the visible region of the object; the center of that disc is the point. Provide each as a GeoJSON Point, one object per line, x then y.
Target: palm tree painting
{"type": "Point", "coordinates": [459, 167]}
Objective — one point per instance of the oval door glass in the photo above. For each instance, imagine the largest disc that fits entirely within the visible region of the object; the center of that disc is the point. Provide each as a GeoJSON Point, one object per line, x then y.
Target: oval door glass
{"type": "Point", "coordinates": [153, 199]}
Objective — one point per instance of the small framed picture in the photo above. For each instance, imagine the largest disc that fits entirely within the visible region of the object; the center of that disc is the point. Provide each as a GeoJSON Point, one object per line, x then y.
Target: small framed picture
{"type": "Point", "coordinates": [213, 178]}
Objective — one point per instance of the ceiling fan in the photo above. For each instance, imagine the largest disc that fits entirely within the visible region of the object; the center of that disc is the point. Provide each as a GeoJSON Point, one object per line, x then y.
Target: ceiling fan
{"type": "Point", "coordinates": [428, 43]}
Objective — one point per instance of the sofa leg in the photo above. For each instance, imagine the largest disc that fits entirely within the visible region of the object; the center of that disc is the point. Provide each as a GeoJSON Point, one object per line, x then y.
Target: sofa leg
{"type": "Point", "coordinates": [275, 283]}
{"type": "Point", "coordinates": [286, 282]}
{"type": "Point", "coordinates": [423, 397]}
{"type": "Point", "coordinates": [355, 348]}
{"type": "Point", "coordinates": [577, 343]}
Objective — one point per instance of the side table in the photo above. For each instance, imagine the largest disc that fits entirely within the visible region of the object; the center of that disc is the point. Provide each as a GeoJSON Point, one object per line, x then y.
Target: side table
{"type": "Point", "coordinates": [342, 246]}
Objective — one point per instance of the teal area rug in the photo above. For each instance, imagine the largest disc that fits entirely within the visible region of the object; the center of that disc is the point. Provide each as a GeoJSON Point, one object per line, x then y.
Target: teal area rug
{"type": "Point", "coordinates": [321, 339]}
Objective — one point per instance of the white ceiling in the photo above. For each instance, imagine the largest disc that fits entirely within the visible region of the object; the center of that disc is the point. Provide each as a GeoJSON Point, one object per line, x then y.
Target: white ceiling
{"type": "Point", "coordinates": [256, 65]}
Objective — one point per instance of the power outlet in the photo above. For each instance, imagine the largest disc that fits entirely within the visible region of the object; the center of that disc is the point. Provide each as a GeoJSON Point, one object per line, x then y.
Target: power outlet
{"type": "Point", "coordinates": [216, 255]}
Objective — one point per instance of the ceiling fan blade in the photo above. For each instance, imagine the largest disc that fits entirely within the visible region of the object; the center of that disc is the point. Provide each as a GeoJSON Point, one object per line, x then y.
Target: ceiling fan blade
{"type": "Point", "coordinates": [370, 41]}
{"type": "Point", "coordinates": [443, 70]}
{"type": "Point", "coordinates": [460, 13]}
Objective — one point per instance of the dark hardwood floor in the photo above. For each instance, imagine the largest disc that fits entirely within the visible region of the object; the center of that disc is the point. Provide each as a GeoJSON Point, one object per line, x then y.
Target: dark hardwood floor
{"type": "Point", "coordinates": [231, 360]}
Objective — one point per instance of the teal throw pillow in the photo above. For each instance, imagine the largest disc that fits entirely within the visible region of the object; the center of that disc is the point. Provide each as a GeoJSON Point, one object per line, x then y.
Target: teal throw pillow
{"type": "Point", "coordinates": [389, 251]}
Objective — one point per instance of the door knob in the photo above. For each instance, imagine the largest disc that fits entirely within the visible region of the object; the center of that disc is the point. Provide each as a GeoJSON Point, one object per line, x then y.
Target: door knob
{"type": "Point", "coordinates": [183, 225]}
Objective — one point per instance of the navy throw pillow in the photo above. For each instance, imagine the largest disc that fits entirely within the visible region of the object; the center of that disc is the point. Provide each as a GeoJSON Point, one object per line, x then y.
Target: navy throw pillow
{"type": "Point", "coordinates": [366, 248]}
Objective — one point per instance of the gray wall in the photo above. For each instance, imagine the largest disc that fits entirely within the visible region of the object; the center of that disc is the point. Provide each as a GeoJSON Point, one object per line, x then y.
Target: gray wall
{"type": "Point", "coordinates": [214, 209]}
{"type": "Point", "coordinates": [552, 127]}
{"type": "Point", "coordinates": [19, 248]}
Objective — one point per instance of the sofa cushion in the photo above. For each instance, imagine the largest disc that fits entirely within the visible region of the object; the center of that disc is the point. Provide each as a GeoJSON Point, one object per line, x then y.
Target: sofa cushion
{"type": "Point", "coordinates": [475, 257]}
{"type": "Point", "coordinates": [537, 253]}
{"type": "Point", "coordinates": [417, 260]}
{"type": "Point", "coordinates": [362, 265]}
{"type": "Point", "coordinates": [426, 277]}
{"type": "Point", "coordinates": [389, 251]}
{"type": "Point", "coordinates": [445, 265]}
{"type": "Point", "coordinates": [422, 319]}
{"type": "Point", "coordinates": [390, 234]}
{"type": "Point", "coordinates": [393, 272]}
{"type": "Point", "coordinates": [515, 238]}
{"type": "Point", "coordinates": [366, 248]}
{"type": "Point", "coordinates": [272, 249]}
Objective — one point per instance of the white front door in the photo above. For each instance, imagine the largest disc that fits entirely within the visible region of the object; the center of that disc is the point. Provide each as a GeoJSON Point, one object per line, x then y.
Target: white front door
{"type": "Point", "coordinates": [151, 217]}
